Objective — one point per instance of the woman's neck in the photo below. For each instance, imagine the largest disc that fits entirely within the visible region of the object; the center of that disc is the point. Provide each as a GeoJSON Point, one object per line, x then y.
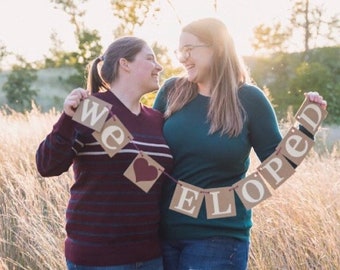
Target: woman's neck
{"type": "Point", "coordinates": [128, 98]}
{"type": "Point", "coordinates": [204, 89]}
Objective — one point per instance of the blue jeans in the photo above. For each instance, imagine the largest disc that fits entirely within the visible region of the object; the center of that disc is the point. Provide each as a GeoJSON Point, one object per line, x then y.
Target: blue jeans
{"type": "Point", "coordinates": [155, 264]}
{"type": "Point", "coordinates": [216, 253]}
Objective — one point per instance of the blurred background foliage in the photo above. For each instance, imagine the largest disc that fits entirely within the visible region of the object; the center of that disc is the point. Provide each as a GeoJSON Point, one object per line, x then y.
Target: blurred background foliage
{"type": "Point", "coordinates": [283, 75]}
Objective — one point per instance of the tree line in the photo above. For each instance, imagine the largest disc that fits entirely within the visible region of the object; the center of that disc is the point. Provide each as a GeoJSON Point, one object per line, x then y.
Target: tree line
{"type": "Point", "coordinates": [283, 74]}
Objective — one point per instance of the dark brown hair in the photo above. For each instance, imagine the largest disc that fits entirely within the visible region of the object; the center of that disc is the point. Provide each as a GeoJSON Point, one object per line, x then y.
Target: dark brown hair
{"type": "Point", "coordinates": [104, 70]}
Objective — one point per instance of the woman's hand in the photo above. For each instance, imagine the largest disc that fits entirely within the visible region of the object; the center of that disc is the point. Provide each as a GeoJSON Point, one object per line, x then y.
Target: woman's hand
{"type": "Point", "coordinates": [316, 98]}
{"type": "Point", "coordinates": [73, 100]}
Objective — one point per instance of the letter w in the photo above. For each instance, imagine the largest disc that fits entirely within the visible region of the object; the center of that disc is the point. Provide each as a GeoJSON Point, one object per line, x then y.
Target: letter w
{"type": "Point", "coordinates": [92, 112]}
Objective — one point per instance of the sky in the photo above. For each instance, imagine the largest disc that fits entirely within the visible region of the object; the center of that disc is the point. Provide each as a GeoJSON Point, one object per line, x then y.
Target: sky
{"type": "Point", "coordinates": [26, 26]}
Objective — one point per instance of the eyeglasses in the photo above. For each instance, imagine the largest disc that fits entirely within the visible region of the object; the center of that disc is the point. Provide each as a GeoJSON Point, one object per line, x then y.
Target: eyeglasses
{"type": "Point", "coordinates": [185, 52]}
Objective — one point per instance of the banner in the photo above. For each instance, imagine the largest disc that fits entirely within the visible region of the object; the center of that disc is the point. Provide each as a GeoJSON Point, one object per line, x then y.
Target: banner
{"type": "Point", "coordinates": [187, 199]}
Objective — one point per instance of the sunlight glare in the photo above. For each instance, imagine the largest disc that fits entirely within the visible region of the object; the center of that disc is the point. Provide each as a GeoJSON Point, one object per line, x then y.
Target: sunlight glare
{"type": "Point", "coordinates": [26, 26]}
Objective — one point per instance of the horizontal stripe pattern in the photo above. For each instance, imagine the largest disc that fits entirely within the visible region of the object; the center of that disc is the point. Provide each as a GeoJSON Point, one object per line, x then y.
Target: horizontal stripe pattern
{"type": "Point", "coordinates": [106, 210]}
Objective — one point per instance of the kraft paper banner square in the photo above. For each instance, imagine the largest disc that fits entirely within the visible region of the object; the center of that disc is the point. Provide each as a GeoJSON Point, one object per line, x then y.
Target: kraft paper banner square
{"type": "Point", "coordinates": [276, 170]}
{"type": "Point", "coordinates": [252, 190]}
{"type": "Point", "coordinates": [187, 199]}
{"type": "Point", "coordinates": [113, 136]}
{"type": "Point", "coordinates": [295, 145]}
{"type": "Point", "coordinates": [144, 171]}
{"type": "Point", "coordinates": [310, 115]}
{"type": "Point", "coordinates": [92, 112]}
{"type": "Point", "coordinates": [220, 202]}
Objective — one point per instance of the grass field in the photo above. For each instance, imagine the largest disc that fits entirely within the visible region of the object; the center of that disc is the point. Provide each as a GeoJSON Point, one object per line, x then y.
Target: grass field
{"type": "Point", "coordinates": [297, 228]}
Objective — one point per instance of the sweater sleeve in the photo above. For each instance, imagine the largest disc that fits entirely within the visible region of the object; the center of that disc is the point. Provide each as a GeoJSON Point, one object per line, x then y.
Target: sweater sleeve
{"type": "Point", "coordinates": [263, 128]}
{"type": "Point", "coordinates": [55, 154]}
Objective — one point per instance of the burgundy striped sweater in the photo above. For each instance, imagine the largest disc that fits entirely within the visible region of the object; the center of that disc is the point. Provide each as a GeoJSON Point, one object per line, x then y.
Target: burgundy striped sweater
{"type": "Point", "coordinates": [109, 220]}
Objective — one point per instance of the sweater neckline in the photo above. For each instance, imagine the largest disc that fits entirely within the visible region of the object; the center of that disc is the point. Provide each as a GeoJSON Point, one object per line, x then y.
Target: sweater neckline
{"type": "Point", "coordinates": [123, 107]}
{"type": "Point", "coordinates": [203, 96]}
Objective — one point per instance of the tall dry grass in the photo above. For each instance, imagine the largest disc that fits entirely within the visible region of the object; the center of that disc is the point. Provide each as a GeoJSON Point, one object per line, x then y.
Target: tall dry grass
{"type": "Point", "coordinates": [32, 208]}
{"type": "Point", "coordinates": [297, 228]}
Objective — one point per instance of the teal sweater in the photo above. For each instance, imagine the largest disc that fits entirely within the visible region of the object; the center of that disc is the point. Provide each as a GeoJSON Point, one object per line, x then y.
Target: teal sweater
{"type": "Point", "coordinates": [210, 161]}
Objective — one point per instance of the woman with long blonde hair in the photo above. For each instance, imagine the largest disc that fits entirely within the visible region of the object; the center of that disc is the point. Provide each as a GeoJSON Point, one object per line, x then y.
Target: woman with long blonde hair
{"type": "Point", "coordinates": [214, 117]}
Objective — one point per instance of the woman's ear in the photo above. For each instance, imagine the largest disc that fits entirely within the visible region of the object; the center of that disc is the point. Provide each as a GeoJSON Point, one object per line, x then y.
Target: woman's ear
{"type": "Point", "coordinates": [124, 64]}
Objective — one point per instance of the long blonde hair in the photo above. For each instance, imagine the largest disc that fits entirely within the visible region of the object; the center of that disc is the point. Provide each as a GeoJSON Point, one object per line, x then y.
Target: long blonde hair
{"type": "Point", "coordinates": [228, 74]}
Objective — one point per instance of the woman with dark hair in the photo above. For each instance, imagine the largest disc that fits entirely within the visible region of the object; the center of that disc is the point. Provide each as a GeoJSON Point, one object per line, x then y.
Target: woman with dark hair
{"type": "Point", "coordinates": [111, 223]}
{"type": "Point", "coordinates": [214, 117]}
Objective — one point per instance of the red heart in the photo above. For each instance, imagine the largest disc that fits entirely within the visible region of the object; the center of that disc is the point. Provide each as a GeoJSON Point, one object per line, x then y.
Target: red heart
{"type": "Point", "coordinates": [144, 171]}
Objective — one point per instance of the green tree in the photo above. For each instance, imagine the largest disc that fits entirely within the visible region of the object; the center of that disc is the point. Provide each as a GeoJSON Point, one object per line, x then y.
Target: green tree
{"type": "Point", "coordinates": [287, 78]}
{"type": "Point", "coordinates": [88, 42]}
{"type": "Point", "coordinates": [73, 9]}
{"type": "Point", "coordinates": [321, 74]}
{"type": "Point", "coordinates": [274, 73]}
{"type": "Point", "coordinates": [313, 23]}
{"type": "Point", "coordinates": [306, 18]}
{"type": "Point", "coordinates": [18, 87]}
{"type": "Point", "coordinates": [270, 39]}
{"type": "Point", "coordinates": [131, 13]}
{"type": "Point", "coordinates": [89, 47]}
{"type": "Point", "coordinates": [58, 56]}
{"type": "Point", "coordinates": [310, 76]}
{"type": "Point", "coordinates": [134, 13]}
{"type": "Point", "coordinates": [3, 52]}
